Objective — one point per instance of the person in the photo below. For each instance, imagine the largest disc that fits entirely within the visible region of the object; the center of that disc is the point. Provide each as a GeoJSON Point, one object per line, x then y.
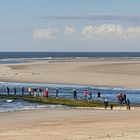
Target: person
{"type": "Point", "coordinates": [124, 98]}
{"type": "Point", "coordinates": [22, 90]}
{"type": "Point", "coordinates": [7, 90]}
{"type": "Point", "coordinates": [128, 104]}
{"type": "Point", "coordinates": [111, 107]}
{"type": "Point", "coordinates": [30, 91]}
{"type": "Point", "coordinates": [41, 92]}
{"type": "Point", "coordinates": [57, 91]}
{"type": "Point", "coordinates": [85, 94]}
{"type": "Point", "coordinates": [47, 92]}
{"type": "Point", "coordinates": [34, 91]}
{"type": "Point", "coordinates": [105, 103]}
{"type": "Point", "coordinates": [98, 94]}
{"type": "Point", "coordinates": [120, 97]}
{"type": "Point", "coordinates": [15, 90]}
{"type": "Point", "coordinates": [90, 95]}
{"type": "Point", "coordinates": [74, 94]}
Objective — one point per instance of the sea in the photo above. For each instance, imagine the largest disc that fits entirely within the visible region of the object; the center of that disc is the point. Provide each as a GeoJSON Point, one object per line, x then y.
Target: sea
{"type": "Point", "coordinates": [11, 57]}
{"type": "Point", "coordinates": [65, 90]}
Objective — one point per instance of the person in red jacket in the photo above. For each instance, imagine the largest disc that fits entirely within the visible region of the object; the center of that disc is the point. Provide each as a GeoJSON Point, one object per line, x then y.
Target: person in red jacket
{"type": "Point", "coordinates": [47, 92]}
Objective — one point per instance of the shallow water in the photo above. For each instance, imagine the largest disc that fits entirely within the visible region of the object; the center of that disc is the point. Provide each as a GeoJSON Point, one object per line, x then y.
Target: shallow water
{"type": "Point", "coordinates": [65, 91]}
{"type": "Point", "coordinates": [18, 105]}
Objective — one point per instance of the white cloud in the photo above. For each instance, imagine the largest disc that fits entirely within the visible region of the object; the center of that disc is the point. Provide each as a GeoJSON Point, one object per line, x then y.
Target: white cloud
{"type": "Point", "coordinates": [110, 31]}
{"type": "Point", "coordinates": [104, 31]}
{"type": "Point", "coordinates": [45, 33]}
{"type": "Point", "coordinates": [70, 30]}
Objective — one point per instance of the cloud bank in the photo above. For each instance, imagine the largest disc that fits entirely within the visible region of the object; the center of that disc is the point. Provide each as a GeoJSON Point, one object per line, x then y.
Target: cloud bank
{"type": "Point", "coordinates": [111, 31]}
{"type": "Point", "coordinates": [104, 31]}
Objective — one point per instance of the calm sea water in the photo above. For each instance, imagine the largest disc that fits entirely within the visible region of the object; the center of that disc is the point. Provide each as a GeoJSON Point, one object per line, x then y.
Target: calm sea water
{"type": "Point", "coordinates": [11, 57]}
{"type": "Point", "coordinates": [4, 55]}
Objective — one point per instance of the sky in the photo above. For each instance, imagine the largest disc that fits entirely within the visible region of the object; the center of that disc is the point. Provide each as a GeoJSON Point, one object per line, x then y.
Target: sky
{"type": "Point", "coordinates": [70, 25]}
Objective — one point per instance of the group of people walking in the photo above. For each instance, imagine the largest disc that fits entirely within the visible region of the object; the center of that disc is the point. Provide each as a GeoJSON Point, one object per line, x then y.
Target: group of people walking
{"type": "Point", "coordinates": [32, 91]}
{"type": "Point", "coordinates": [41, 92]}
{"type": "Point", "coordinates": [87, 94]}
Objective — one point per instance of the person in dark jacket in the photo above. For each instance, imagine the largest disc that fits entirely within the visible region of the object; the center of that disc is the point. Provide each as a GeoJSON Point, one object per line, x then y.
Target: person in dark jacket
{"type": "Point", "coordinates": [7, 90]}
{"type": "Point", "coordinates": [57, 91]}
{"type": "Point", "coordinates": [128, 104]}
{"type": "Point", "coordinates": [98, 94]}
{"type": "Point", "coordinates": [74, 94]}
{"type": "Point", "coordinates": [41, 91]}
{"type": "Point", "coordinates": [15, 90]}
{"type": "Point", "coordinates": [22, 90]}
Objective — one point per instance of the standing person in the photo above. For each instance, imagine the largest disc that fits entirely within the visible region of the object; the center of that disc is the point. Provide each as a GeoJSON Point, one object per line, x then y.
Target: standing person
{"type": "Point", "coordinates": [41, 92]}
{"type": "Point", "coordinates": [105, 103]}
{"type": "Point", "coordinates": [22, 90]}
{"type": "Point", "coordinates": [121, 97]}
{"type": "Point", "coordinates": [90, 95]}
{"type": "Point", "coordinates": [74, 94]}
{"type": "Point", "coordinates": [85, 94]}
{"type": "Point", "coordinates": [30, 91]}
{"type": "Point", "coordinates": [98, 94]}
{"type": "Point", "coordinates": [34, 92]}
{"type": "Point", "coordinates": [57, 91]}
{"type": "Point", "coordinates": [124, 98]}
{"type": "Point", "coordinates": [128, 104]}
{"type": "Point", "coordinates": [47, 92]}
{"type": "Point", "coordinates": [7, 90]}
{"type": "Point", "coordinates": [15, 90]}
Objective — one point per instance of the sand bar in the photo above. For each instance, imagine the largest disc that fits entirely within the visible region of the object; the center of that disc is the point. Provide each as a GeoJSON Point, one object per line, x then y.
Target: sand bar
{"type": "Point", "coordinates": [115, 72]}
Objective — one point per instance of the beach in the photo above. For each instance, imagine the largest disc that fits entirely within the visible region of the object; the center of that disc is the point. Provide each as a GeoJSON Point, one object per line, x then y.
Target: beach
{"type": "Point", "coordinates": [120, 72]}
{"type": "Point", "coordinates": [70, 70]}
{"type": "Point", "coordinates": [70, 124]}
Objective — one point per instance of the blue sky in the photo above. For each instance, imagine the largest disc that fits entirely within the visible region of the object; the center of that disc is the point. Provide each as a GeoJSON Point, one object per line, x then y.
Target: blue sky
{"type": "Point", "coordinates": [69, 25]}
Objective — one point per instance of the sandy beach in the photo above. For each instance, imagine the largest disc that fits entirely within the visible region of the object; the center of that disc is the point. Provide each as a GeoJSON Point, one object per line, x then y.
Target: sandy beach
{"type": "Point", "coordinates": [70, 70]}
{"type": "Point", "coordinates": [115, 72]}
{"type": "Point", "coordinates": [71, 124]}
